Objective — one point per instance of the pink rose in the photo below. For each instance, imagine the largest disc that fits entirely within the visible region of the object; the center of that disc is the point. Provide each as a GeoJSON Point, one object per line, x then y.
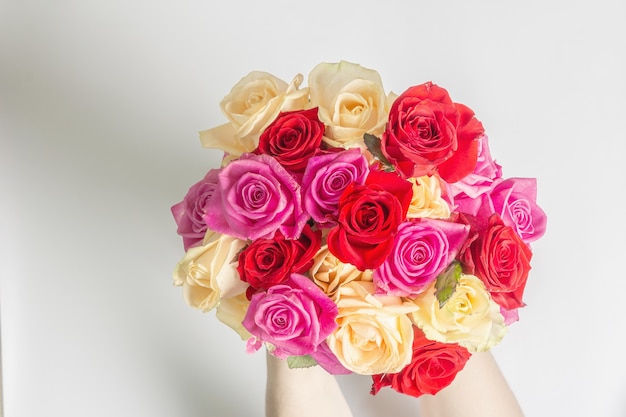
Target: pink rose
{"type": "Point", "coordinates": [515, 201]}
{"type": "Point", "coordinates": [325, 179]}
{"type": "Point", "coordinates": [295, 317]}
{"type": "Point", "coordinates": [255, 197]}
{"type": "Point", "coordinates": [421, 251]}
{"type": "Point", "coordinates": [189, 213]}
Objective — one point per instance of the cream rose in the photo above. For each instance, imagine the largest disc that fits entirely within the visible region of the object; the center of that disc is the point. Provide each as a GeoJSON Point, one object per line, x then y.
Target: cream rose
{"type": "Point", "coordinates": [208, 273]}
{"type": "Point", "coordinates": [329, 273]}
{"type": "Point", "coordinates": [231, 312]}
{"type": "Point", "coordinates": [351, 101]}
{"type": "Point", "coordinates": [427, 200]}
{"type": "Point", "coordinates": [470, 317]}
{"type": "Point", "coordinates": [374, 333]}
{"type": "Point", "coordinates": [252, 104]}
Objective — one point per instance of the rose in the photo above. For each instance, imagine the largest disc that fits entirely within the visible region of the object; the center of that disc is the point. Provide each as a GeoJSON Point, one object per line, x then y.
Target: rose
{"type": "Point", "coordinates": [292, 139]}
{"type": "Point", "coordinates": [267, 262]}
{"type": "Point", "coordinates": [294, 317]}
{"type": "Point", "coordinates": [250, 106]}
{"type": "Point", "coordinates": [189, 213]}
{"type": "Point", "coordinates": [329, 273]}
{"type": "Point", "coordinates": [421, 250]}
{"type": "Point", "coordinates": [427, 200]}
{"type": "Point", "coordinates": [434, 366]}
{"type": "Point", "coordinates": [328, 361]}
{"type": "Point", "coordinates": [499, 257]}
{"type": "Point", "coordinates": [351, 102]}
{"type": "Point", "coordinates": [469, 317]}
{"type": "Point", "coordinates": [325, 179]}
{"type": "Point", "coordinates": [369, 216]}
{"type": "Point", "coordinates": [208, 273]}
{"type": "Point", "coordinates": [255, 198]}
{"type": "Point", "coordinates": [514, 200]}
{"type": "Point", "coordinates": [374, 333]}
{"type": "Point", "coordinates": [428, 133]}
{"type": "Point", "coordinates": [231, 312]}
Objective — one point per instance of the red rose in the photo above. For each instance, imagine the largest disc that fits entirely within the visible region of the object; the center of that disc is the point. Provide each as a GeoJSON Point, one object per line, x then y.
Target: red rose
{"type": "Point", "coordinates": [268, 262]}
{"type": "Point", "coordinates": [429, 133]}
{"type": "Point", "coordinates": [498, 256]}
{"type": "Point", "coordinates": [292, 138]}
{"type": "Point", "coordinates": [368, 218]}
{"type": "Point", "coordinates": [433, 367]}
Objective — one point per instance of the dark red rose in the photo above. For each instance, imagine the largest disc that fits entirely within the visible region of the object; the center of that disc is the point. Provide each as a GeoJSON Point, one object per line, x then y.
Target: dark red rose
{"type": "Point", "coordinates": [427, 133]}
{"type": "Point", "coordinates": [368, 218]}
{"type": "Point", "coordinates": [498, 256]}
{"type": "Point", "coordinates": [292, 139]}
{"type": "Point", "coordinates": [433, 367]}
{"type": "Point", "coordinates": [268, 262]}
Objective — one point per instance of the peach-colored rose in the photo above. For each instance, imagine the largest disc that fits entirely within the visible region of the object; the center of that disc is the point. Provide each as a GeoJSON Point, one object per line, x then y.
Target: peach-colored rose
{"type": "Point", "coordinates": [351, 102]}
{"type": "Point", "coordinates": [252, 104]}
{"type": "Point", "coordinates": [427, 200]}
{"type": "Point", "coordinates": [374, 333]}
{"type": "Point", "coordinates": [329, 273]}
{"type": "Point", "coordinates": [470, 317]}
{"type": "Point", "coordinates": [231, 312]}
{"type": "Point", "coordinates": [208, 273]}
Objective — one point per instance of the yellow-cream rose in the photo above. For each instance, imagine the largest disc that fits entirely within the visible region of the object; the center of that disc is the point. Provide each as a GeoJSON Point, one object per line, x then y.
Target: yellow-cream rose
{"type": "Point", "coordinates": [329, 273]}
{"type": "Point", "coordinates": [231, 312]}
{"type": "Point", "coordinates": [374, 333]}
{"type": "Point", "coordinates": [208, 273]}
{"type": "Point", "coordinates": [351, 101]}
{"type": "Point", "coordinates": [470, 317]}
{"type": "Point", "coordinates": [427, 200]}
{"type": "Point", "coordinates": [252, 104]}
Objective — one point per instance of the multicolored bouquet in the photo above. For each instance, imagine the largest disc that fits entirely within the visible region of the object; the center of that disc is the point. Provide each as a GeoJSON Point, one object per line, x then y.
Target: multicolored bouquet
{"type": "Point", "coordinates": [357, 230]}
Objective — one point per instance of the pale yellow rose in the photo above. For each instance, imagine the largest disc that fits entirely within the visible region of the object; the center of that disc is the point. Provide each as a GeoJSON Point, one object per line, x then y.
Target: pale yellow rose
{"type": "Point", "coordinates": [231, 312]}
{"type": "Point", "coordinates": [427, 200]}
{"type": "Point", "coordinates": [470, 317]}
{"type": "Point", "coordinates": [208, 273]}
{"type": "Point", "coordinates": [252, 104]}
{"type": "Point", "coordinates": [374, 333]}
{"type": "Point", "coordinates": [351, 102]}
{"type": "Point", "coordinates": [329, 273]}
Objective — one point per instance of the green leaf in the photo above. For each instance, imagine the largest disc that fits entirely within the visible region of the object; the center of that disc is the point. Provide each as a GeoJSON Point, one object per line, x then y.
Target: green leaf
{"type": "Point", "coordinates": [446, 282]}
{"type": "Point", "coordinates": [373, 145]}
{"type": "Point", "coordinates": [305, 361]}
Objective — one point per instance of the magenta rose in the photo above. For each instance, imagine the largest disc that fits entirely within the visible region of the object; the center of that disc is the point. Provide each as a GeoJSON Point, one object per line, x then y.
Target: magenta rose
{"type": "Point", "coordinates": [325, 179]}
{"type": "Point", "coordinates": [514, 200]}
{"type": "Point", "coordinates": [421, 250]}
{"type": "Point", "coordinates": [428, 133]}
{"type": "Point", "coordinates": [255, 197]}
{"type": "Point", "coordinates": [267, 262]}
{"type": "Point", "coordinates": [189, 213]}
{"type": "Point", "coordinates": [293, 138]}
{"type": "Point", "coordinates": [295, 317]}
{"type": "Point", "coordinates": [369, 216]}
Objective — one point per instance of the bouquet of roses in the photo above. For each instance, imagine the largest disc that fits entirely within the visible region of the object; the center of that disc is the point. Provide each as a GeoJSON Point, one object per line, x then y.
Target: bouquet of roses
{"type": "Point", "coordinates": [357, 230]}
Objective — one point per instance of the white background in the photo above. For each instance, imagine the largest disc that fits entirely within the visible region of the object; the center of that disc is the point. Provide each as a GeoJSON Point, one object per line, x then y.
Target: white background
{"type": "Point", "coordinates": [100, 107]}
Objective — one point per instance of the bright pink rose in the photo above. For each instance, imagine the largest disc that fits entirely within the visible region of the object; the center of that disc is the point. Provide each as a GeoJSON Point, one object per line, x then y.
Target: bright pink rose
{"type": "Point", "coordinates": [434, 366]}
{"type": "Point", "coordinates": [369, 216]}
{"type": "Point", "coordinates": [293, 138]}
{"type": "Point", "coordinates": [421, 250]}
{"type": "Point", "coordinates": [255, 197]}
{"type": "Point", "coordinates": [327, 360]}
{"type": "Point", "coordinates": [189, 213]}
{"type": "Point", "coordinates": [428, 133]}
{"type": "Point", "coordinates": [325, 179]}
{"type": "Point", "coordinates": [295, 317]}
{"type": "Point", "coordinates": [514, 200]}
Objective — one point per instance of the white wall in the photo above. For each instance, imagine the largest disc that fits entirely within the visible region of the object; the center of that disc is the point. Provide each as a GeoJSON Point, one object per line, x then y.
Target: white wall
{"type": "Point", "coordinates": [100, 105]}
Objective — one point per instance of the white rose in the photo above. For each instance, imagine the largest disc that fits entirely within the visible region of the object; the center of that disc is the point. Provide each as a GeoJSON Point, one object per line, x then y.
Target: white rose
{"type": "Point", "coordinates": [208, 273]}
{"type": "Point", "coordinates": [351, 101]}
{"type": "Point", "coordinates": [252, 104]}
